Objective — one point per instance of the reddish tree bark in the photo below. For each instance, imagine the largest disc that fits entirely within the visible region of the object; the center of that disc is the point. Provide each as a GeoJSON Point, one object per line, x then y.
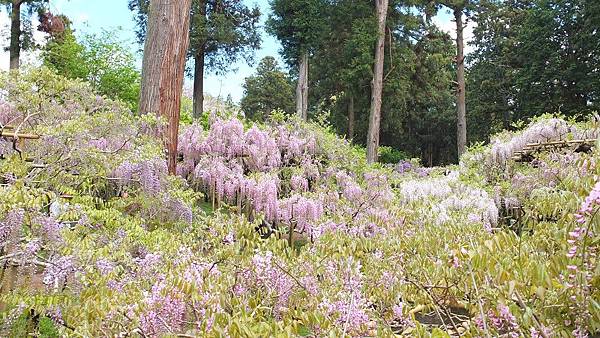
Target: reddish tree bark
{"type": "Point", "coordinates": [163, 67]}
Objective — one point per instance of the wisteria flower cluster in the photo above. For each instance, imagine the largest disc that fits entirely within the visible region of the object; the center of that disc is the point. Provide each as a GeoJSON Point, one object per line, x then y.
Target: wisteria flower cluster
{"type": "Point", "coordinates": [502, 321]}
{"type": "Point", "coordinates": [542, 131]}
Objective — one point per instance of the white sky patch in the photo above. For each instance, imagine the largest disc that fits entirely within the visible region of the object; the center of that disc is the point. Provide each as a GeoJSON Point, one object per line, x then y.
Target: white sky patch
{"type": "Point", "coordinates": [30, 57]}
{"type": "Point", "coordinates": [445, 21]}
{"type": "Point", "coordinates": [5, 33]}
{"type": "Point", "coordinates": [81, 19]}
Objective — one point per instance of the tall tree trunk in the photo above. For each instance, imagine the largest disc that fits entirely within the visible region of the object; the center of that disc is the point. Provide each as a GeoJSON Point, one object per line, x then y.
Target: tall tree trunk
{"type": "Point", "coordinates": [199, 83]}
{"type": "Point", "coordinates": [163, 67]}
{"type": "Point", "coordinates": [305, 89]}
{"type": "Point", "coordinates": [351, 117]}
{"type": "Point", "coordinates": [461, 124]}
{"type": "Point", "coordinates": [15, 34]}
{"type": "Point", "coordinates": [377, 84]}
{"type": "Point", "coordinates": [302, 88]}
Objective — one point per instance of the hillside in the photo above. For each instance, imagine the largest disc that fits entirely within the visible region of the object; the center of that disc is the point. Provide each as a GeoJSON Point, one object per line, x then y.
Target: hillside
{"type": "Point", "coordinates": [283, 229]}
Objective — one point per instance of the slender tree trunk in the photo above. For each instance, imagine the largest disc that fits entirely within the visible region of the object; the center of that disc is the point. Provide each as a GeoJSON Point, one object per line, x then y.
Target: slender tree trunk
{"type": "Point", "coordinates": [15, 34]}
{"type": "Point", "coordinates": [461, 125]}
{"type": "Point", "coordinates": [351, 117]}
{"type": "Point", "coordinates": [377, 84]}
{"type": "Point", "coordinates": [163, 67]}
{"type": "Point", "coordinates": [199, 84]}
{"type": "Point", "coordinates": [305, 89]}
{"type": "Point", "coordinates": [302, 88]}
{"type": "Point", "coordinates": [506, 114]}
{"type": "Point", "coordinates": [299, 87]}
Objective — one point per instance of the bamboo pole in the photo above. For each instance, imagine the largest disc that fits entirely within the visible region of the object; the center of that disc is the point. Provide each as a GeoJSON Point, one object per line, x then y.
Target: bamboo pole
{"type": "Point", "coordinates": [19, 135]}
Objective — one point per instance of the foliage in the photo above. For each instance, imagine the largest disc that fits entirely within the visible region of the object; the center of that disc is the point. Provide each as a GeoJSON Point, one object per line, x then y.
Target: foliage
{"type": "Point", "coordinates": [418, 93]}
{"type": "Point", "coordinates": [390, 155]}
{"type": "Point", "coordinates": [532, 57]}
{"type": "Point", "coordinates": [505, 81]}
{"type": "Point", "coordinates": [299, 25]}
{"type": "Point", "coordinates": [101, 60]}
{"type": "Point", "coordinates": [302, 238]}
{"type": "Point", "coordinates": [28, 9]}
{"type": "Point", "coordinates": [224, 31]}
{"type": "Point", "coordinates": [269, 89]}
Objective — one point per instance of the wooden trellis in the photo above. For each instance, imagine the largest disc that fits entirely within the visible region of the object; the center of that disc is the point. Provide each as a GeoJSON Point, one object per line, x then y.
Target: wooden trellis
{"type": "Point", "coordinates": [526, 154]}
{"type": "Point", "coordinates": [18, 138]}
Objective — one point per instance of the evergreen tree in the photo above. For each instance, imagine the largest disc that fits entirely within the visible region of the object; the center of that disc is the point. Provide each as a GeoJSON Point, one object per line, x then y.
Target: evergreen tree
{"type": "Point", "coordinates": [21, 32]}
{"type": "Point", "coordinates": [533, 57]}
{"type": "Point", "coordinates": [163, 68]}
{"type": "Point", "coordinates": [269, 89]}
{"type": "Point", "coordinates": [299, 25]}
{"type": "Point", "coordinates": [221, 32]}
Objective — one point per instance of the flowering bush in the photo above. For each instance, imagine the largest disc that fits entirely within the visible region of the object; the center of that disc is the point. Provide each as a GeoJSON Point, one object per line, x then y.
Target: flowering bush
{"type": "Point", "coordinates": [281, 229]}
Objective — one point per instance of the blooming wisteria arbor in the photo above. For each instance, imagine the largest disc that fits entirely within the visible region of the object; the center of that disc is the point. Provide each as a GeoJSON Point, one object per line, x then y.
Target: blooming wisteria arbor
{"type": "Point", "coordinates": [97, 239]}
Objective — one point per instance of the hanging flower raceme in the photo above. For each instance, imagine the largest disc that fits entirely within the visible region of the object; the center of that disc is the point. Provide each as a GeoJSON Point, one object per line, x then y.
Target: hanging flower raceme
{"type": "Point", "coordinates": [262, 193]}
{"type": "Point", "coordinates": [542, 131]}
{"type": "Point", "coordinates": [303, 212]}
{"type": "Point", "coordinates": [428, 188]}
{"type": "Point", "coordinates": [58, 272]}
{"type": "Point", "coordinates": [50, 227]}
{"type": "Point", "coordinates": [192, 146]}
{"type": "Point", "coordinates": [585, 213]}
{"type": "Point", "coordinates": [298, 183]}
{"type": "Point", "coordinates": [149, 173]}
{"type": "Point", "coordinates": [349, 306]}
{"type": "Point", "coordinates": [502, 321]}
{"type": "Point", "coordinates": [225, 138]}
{"type": "Point", "coordinates": [582, 262]}
{"type": "Point", "coordinates": [219, 177]}
{"type": "Point", "coordinates": [267, 275]}
{"type": "Point", "coordinates": [191, 142]}
{"type": "Point", "coordinates": [10, 226]}
{"type": "Point", "coordinates": [261, 150]}
{"type": "Point", "coordinates": [293, 147]}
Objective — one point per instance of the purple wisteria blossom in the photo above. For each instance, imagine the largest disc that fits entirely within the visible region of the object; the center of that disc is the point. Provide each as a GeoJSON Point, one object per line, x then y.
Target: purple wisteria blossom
{"type": "Point", "coordinates": [164, 311]}
{"type": "Point", "coordinates": [11, 225]}
{"type": "Point", "coordinates": [58, 271]}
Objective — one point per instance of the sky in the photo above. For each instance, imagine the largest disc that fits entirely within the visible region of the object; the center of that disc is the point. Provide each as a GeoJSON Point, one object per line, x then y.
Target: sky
{"type": "Point", "coordinates": [93, 16]}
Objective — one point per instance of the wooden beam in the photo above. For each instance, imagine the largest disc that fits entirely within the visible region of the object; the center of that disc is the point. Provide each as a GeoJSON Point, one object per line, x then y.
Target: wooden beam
{"type": "Point", "coordinates": [19, 135]}
{"type": "Point", "coordinates": [562, 142]}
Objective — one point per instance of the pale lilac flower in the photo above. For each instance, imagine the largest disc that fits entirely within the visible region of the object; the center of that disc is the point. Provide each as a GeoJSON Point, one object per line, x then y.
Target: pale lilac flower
{"type": "Point", "coordinates": [11, 225]}
{"type": "Point", "coordinates": [229, 238]}
{"type": "Point", "coordinates": [57, 272]}
{"type": "Point", "coordinates": [105, 266]}
{"type": "Point", "coordinates": [164, 312]}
